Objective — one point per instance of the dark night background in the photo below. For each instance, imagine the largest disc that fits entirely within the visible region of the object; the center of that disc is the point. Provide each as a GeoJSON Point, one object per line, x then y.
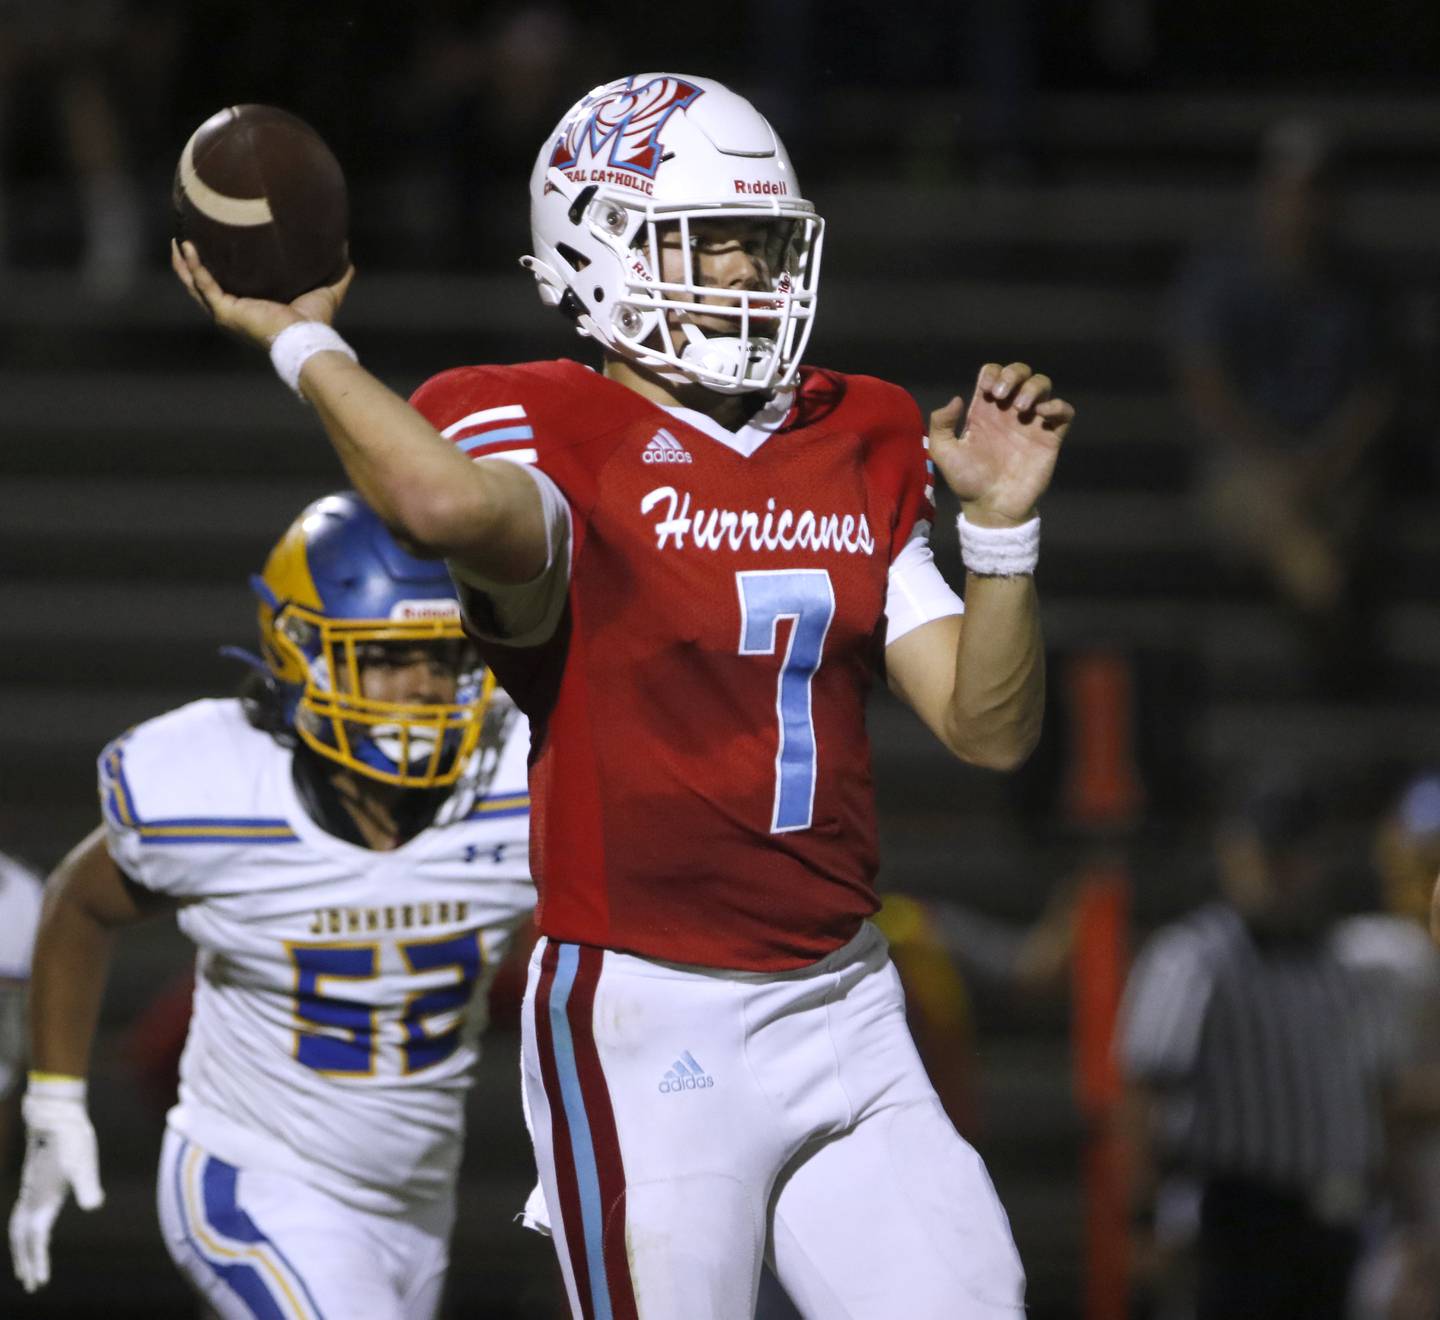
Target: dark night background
{"type": "Point", "coordinates": [1001, 181]}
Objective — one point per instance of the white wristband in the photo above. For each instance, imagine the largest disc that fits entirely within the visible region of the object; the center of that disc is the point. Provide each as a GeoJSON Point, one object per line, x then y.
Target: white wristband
{"type": "Point", "coordinates": [297, 344]}
{"type": "Point", "coordinates": [999, 551]}
{"type": "Point", "coordinates": [53, 1086]}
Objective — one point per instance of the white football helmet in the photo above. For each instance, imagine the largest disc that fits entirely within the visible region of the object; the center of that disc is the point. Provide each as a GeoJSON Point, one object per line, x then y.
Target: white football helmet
{"type": "Point", "coordinates": [628, 163]}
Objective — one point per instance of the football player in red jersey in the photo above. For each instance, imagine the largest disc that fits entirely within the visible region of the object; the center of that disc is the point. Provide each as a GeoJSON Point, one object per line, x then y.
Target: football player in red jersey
{"type": "Point", "coordinates": [687, 569]}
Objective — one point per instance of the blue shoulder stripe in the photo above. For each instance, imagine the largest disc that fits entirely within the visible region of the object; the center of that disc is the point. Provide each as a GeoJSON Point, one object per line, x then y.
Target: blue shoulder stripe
{"type": "Point", "coordinates": [116, 800]}
{"type": "Point", "coordinates": [499, 806]}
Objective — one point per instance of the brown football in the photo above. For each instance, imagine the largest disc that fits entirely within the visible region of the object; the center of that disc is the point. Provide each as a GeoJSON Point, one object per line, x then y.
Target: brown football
{"type": "Point", "coordinates": [264, 201]}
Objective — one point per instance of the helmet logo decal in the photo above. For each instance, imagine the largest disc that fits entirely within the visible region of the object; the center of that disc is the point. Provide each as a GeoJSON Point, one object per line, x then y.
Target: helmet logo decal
{"type": "Point", "coordinates": [621, 130]}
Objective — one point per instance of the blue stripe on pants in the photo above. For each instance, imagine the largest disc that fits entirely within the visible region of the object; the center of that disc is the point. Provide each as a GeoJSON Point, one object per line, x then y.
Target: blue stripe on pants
{"type": "Point", "coordinates": [223, 1213]}
{"type": "Point", "coordinates": [582, 1147]}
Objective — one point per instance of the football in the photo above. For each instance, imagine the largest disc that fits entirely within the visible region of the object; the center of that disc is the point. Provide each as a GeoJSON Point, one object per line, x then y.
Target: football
{"type": "Point", "coordinates": [264, 201]}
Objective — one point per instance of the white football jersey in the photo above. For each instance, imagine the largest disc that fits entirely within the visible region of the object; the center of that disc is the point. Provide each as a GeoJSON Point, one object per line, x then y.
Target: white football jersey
{"type": "Point", "coordinates": [19, 916]}
{"type": "Point", "coordinates": [20, 895]}
{"type": "Point", "coordinates": [339, 991]}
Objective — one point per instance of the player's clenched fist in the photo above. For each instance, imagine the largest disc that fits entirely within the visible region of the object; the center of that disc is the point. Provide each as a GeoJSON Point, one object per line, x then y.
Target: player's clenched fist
{"type": "Point", "coordinates": [60, 1155]}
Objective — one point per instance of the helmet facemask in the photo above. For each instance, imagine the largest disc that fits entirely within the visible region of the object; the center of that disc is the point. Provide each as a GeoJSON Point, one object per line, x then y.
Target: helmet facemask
{"type": "Point", "coordinates": [651, 320]}
{"type": "Point", "coordinates": [409, 744]}
{"type": "Point", "coordinates": [762, 332]}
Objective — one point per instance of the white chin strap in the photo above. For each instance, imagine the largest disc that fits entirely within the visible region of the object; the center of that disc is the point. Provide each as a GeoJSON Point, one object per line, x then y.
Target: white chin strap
{"type": "Point", "coordinates": [724, 356]}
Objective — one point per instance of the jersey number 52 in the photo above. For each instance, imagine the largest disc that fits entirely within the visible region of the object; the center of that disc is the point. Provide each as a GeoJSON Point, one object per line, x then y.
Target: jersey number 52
{"type": "Point", "coordinates": [341, 1036]}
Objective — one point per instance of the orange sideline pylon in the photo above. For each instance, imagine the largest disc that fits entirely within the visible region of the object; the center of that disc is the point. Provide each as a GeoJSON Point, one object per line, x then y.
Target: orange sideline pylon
{"type": "Point", "coordinates": [1103, 796]}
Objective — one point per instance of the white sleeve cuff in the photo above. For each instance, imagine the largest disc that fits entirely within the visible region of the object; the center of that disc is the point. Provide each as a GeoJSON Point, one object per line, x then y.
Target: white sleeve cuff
{"type": "Point", "coordinates": [917, 592]}
{"type": "Point", "coordinates": [523, 613]}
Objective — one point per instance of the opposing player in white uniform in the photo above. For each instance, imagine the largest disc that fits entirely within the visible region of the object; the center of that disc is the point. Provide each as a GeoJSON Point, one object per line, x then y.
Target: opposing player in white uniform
{"type": "Point", "coordinates": [348, 850]}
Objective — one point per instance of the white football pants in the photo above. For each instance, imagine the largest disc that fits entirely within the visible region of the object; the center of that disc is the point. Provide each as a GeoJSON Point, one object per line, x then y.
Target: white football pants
{"type": "Point", "coordinates": [688, 1122]}
{"type": "Point", "coordinates": [258, 1244]}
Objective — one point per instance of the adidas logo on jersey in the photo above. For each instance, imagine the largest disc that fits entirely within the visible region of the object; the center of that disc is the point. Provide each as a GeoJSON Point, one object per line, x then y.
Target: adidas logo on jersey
{"type": "Point", "coordinates": [665, 448]}
{"type": "Point", "coordinates": [686, 1075]}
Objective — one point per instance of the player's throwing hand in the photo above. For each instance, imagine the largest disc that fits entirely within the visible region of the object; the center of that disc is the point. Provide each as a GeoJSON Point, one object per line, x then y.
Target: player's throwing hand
{"type": "Point", "coordinates": [1001, 462]}
{"type": "Point", "coordinates": [253, 319]}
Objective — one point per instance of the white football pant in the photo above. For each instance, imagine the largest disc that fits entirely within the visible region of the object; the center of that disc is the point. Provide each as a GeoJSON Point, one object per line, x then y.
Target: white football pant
{"type": "Point", "coordinates": [688, 1122]}
{"type": "Point", "coordinates": [259, 1244]}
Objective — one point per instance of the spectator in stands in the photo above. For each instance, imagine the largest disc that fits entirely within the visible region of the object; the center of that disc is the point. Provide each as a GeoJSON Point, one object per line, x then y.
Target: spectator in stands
{"type": "Point", "coordinates": [63, 55]}
{"type": "Point", "coordinates": [1400, 1275]}
{"type": "Point", "coordinates": [1284, 363]}
{"type": "Point", "coordinates": [479, 87]}
{"type": "Point", "coordinates": [1257, 1064]}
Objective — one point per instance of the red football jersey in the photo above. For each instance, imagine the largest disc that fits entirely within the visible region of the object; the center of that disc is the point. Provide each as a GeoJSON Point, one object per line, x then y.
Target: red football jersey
{"type": "Point", "coordinates": [700, 775]}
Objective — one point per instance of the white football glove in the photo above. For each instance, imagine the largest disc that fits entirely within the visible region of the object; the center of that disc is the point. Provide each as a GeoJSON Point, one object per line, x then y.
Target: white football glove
{"type": "Point", "coordinates": [60, 1156]}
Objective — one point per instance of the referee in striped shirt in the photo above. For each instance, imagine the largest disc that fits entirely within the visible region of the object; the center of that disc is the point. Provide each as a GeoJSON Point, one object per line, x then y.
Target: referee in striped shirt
{"type": "Point", "coordinates": [1257, 1065]}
